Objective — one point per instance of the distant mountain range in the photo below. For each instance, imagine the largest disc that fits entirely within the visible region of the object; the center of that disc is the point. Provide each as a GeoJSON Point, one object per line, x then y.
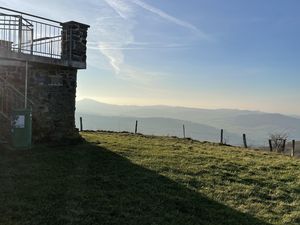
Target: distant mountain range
{"type": "Point", "coordinates": [202, 124]}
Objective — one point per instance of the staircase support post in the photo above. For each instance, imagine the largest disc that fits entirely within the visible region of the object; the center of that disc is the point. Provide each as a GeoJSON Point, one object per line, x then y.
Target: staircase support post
{"type": "Point", "coordinates": [26, 83]}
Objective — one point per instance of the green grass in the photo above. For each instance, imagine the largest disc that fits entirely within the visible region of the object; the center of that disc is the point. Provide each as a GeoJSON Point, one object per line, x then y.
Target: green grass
{"type": "Point", "coordinates": [135, 179]}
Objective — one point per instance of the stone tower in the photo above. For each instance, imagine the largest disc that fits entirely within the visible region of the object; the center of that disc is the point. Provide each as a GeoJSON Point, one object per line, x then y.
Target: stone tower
{"type": "Point", "coordinates": [39, 60]}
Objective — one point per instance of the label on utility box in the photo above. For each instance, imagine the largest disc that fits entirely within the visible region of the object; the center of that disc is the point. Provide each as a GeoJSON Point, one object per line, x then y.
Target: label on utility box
{"type": "Point", "coordinates": [20, 121]}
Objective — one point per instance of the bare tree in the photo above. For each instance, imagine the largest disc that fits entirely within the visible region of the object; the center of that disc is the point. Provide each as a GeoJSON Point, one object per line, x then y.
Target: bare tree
{"type": "Point", "coordinates": [278, 141]}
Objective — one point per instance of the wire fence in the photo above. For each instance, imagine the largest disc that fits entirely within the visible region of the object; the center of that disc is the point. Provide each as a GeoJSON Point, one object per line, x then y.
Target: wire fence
{"type": "Point", "coordinates": [159, 127]}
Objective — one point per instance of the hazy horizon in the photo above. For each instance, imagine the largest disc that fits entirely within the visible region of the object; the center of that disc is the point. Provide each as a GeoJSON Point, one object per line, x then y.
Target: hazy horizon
{"type": "Point", "coordinates": [166, 120]}
{"type": "Point", "coordinates": [182, 106]}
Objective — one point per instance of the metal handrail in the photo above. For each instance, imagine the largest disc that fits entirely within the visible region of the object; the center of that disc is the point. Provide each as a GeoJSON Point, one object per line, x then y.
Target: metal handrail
{"type": "Point", "coordinates": [14, 89]}
{"type": "Point", "coordinates": [30, 36]}
{"type": "Point", "coordinates": [27, 14]}
{"type": "Point", "coordinates": [11, 98]}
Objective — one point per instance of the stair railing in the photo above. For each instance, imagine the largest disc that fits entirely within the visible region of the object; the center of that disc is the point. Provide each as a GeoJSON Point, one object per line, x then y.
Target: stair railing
{"type": "Point", "coordinates": [11, 98]}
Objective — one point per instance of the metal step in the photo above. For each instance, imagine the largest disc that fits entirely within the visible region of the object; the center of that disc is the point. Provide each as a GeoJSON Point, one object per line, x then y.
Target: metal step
{"type": "Point", "coordinates": [11, 98]}
{"type": "Point", "coordinates": [4, 115]}
{"type": "Point", "coordinates": [3, 142]}
{"type": "Point", "coordinates": [5, 146]}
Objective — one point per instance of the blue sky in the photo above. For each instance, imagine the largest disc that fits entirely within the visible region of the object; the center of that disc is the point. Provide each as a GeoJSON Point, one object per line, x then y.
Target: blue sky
{"type": "Point", "coordinates": [241, 54]}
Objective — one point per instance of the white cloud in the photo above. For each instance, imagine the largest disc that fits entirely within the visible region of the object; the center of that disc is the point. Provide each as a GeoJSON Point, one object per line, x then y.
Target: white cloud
{"type": "Point", "coordinates": [112, 34]}
{"type": "Point", "coordinates": [121, 7]}
{"type": "Point", "coordinates": [170, 18]}
{"type": "Point", "coordinates": [115, 30]}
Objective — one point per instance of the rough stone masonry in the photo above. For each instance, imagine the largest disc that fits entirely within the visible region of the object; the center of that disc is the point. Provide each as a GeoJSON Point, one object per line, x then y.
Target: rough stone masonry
{"type": "Point", "coordinates": [51, 86]}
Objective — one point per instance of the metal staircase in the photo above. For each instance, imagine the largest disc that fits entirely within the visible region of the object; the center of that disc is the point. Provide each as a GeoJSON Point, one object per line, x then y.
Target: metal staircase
{"type": "Point", "coordinates": [10, 99]}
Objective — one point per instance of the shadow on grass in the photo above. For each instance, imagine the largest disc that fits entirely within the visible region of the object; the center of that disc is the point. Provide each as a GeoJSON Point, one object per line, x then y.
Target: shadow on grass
{"type": "Point", "coordinates": [87, 184]}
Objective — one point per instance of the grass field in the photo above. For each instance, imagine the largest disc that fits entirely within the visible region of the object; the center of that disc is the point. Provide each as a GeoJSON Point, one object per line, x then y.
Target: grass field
{"type": "Point", "coordinates": [133, 179]}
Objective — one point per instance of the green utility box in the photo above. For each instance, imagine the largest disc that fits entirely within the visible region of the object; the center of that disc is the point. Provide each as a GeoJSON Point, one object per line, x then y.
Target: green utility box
{"type": "Point", "coordinates": [22, 128]}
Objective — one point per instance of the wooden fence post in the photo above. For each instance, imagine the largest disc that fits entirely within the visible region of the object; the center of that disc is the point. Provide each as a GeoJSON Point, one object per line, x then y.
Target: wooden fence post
{"type": "Point", "coordinates": [245, 141]}
{"type": "Point", "coordinates": [183, 129]}
{"type": "Point", "coordinates": [136, 127]}
{"type": "Point", "coordinates": [283, 145]}
{"type": "Point", "coordinates": [222, 136]}
{"type": "Point", "coordinates": [293, 148]}
{"type": "Point", "coordinates": [81, 126]}
{"type": "Point", "coordinates": [270, 145]}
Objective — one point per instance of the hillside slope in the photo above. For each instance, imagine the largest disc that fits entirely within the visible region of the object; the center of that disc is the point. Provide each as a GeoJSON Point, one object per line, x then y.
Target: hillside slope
{"type": "Point", "coordinates": [158, 126]}
{"type": "Point", "coordinates": [257, 125]}
{"type": "Point", "coordinates": [118, 178]}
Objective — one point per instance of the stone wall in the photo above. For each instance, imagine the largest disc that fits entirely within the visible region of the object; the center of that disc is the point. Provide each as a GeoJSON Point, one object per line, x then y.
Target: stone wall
{"type": "Point", "coordinates": [51, 86]}
{"type": "Point", "coordinates": [74, 40]}
{"type": "Point", "coordinates": [52, 89]}
{"type": "Point", "coordinates": [4, 129]}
